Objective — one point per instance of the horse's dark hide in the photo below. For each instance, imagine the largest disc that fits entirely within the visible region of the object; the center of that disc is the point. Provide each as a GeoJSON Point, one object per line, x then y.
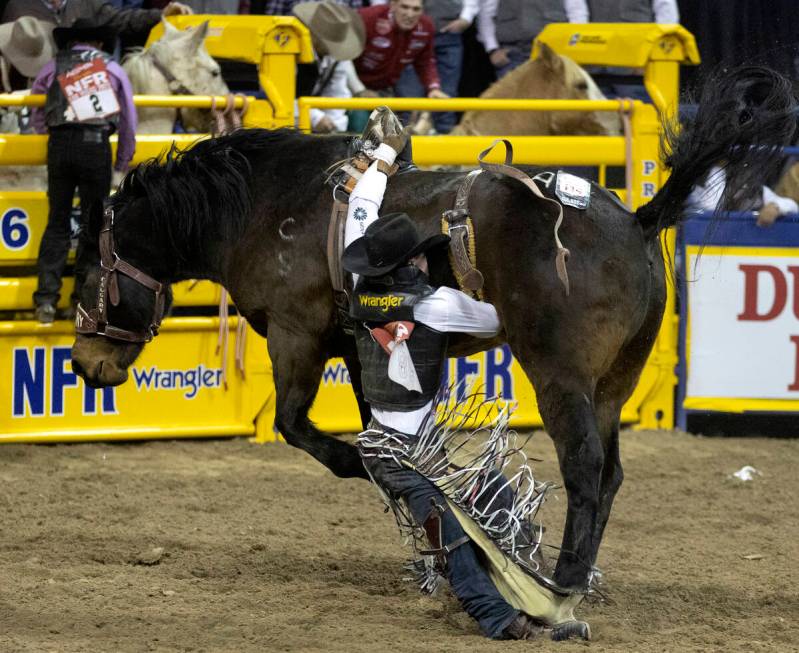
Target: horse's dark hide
{"type": "Point", "coordinates": [250, 210]}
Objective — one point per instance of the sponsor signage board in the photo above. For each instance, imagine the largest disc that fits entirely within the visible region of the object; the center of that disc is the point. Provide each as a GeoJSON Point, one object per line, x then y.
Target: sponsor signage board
{"type": "Point", "coordinates": [740, 321]}
{"type": "Point", "coordinates": [176, 388]}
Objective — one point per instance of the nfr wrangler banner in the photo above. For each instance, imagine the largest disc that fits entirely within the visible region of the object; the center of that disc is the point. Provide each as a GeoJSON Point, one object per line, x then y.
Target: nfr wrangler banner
{"type": "Point", "coordinates": [176, 388]}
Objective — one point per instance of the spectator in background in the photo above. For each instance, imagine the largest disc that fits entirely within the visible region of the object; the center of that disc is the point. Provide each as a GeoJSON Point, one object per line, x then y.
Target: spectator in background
{"type": "Point", "coordinates": [338, 37]}
{"type": "Point", "coordinates": [66, 12]}
{"type": "Point", "coordinates": [634, 11]}
{"type": "Point", "coordinates": [450, 18]}
{"type": "Point", "coordinates": [707, 195]}
{"type": "Point", "coordinates": [398, 34]}
{"type": "Point", "coordinates": [507, 28]}
{"type": "Point", "coordinates": [214, 6]}
{"type": "Point", "coordinates": [628, 82]}
{"type": "Point", "coordinates": [26, 45]}
{"type": "Point", "coordinates": [285, 7]}
{"type": "Point", "coordinates": [78, 149]}
{"type": "Point", "coordinates": [127, 4]}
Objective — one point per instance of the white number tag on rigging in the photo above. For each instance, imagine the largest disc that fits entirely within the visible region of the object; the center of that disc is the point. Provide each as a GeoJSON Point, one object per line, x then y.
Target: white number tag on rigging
{"type": "Point", "coordinates": [573, 191]}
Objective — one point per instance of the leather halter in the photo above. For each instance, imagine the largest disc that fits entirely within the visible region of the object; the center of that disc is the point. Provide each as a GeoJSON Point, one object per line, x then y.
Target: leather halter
{"type": "Point", "coordinates": [175, 85]}
{"type": "Point", "coordinates": [95, 320]}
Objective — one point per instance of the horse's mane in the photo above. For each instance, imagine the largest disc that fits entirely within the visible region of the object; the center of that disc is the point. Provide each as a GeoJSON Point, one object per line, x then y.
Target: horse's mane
{"type": "Point", "coordinates": [202, 192]}
{"type": "Point", "coordinates": [138, 68]}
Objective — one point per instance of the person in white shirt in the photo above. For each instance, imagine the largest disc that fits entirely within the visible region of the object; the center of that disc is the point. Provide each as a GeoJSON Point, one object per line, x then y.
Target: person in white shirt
{"type": "Point", "coordinates": [338, 36]}
{"type": "Point", "coordinates": [401, 327]}
{"type": "Point", "coordinates": [507, 28]}
{"type": "Point", "coordinates": [634, 11]}
{"type": "Point", "coordinates": [707, 195]}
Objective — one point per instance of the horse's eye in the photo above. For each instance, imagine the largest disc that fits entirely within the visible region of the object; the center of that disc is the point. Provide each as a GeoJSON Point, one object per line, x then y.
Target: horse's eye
{"type": "Point", "coordinates": [215, 73]}
{"type": "Point", "coordinates": [581, 86]}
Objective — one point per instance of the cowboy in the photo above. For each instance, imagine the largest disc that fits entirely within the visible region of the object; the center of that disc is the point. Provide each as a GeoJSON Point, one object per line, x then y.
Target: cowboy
{"type": "Point", "coordinates": [387, 258]}
{"type": "Point", "coordinates": [338, 37]}
{"type": "Point", "coordinates": [398, 35]}
{"type": "Point", "coordinates": [89, 96]}
{"type": "Point", "coordinates": [26, 45]}
{"type": "Point", "coordinates": [66, 12]}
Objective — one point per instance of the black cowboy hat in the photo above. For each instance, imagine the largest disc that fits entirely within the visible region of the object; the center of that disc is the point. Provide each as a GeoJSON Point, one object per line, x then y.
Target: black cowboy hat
{"type": "Point", "coordinates": [85, 30]}
{"type": "Point", "coordinates": [388, 243]}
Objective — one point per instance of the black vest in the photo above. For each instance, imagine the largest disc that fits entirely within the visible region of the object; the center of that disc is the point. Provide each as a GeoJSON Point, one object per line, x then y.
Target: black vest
{"type": "Point", "coordinates": [389, 298]}
{"type": "Point", "coordinates": [621, 11]}
{"type": "Point", "coordinates": [56, 105]}
{"type": "Point", "coordinates": [520, 21]}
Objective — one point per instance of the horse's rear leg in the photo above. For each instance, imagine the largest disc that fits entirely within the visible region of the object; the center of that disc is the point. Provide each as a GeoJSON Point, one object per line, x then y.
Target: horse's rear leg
{"type": "Point", "coordinates": [612, 473]}
{"type": "Point", "coordinates": [571, 423]}
{"type": "Point", "coordinates": [298, 360]}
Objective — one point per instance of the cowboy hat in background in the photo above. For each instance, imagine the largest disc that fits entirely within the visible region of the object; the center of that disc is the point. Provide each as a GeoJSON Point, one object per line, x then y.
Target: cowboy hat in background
{"type": "Point", "coordinates": [85, 30]}
{"type": "Point", "coordinates": [27, 44]}
{"type": "Point", "coordinates": [337, 30]}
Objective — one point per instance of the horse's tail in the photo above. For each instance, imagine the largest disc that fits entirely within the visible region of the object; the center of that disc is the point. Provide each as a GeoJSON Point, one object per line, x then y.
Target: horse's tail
{"type": "Point", "coordinates": [744, 115]}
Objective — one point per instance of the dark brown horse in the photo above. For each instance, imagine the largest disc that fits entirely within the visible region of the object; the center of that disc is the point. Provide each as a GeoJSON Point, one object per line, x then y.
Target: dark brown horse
{"type": "Point", "coordinates": [250, 211]}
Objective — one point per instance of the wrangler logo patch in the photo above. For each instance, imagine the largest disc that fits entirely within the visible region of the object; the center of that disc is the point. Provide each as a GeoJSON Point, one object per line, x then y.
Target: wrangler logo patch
{"type": "Point", "coordinates": [383, 302]}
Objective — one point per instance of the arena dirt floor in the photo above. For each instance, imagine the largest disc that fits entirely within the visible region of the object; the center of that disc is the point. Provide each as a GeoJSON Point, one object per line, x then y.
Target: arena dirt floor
{"type": "Point", "coordinates": [263, 550]}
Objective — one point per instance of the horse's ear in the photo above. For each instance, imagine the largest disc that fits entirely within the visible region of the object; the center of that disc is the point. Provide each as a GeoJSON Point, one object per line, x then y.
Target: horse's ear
{"type": "Point", "coordinates": [169, 28]}
{"type": "Point", "coordinates": [199, 34]}
{"type": "Point", "coordinates": [549, 58]}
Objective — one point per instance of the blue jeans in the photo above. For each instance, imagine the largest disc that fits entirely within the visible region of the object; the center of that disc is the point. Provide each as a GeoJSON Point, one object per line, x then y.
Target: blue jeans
{"type": "Point", "coordinates": [518, 53]}
{"type": "Point", "coordinates": [449, 61]}
{"type": "Point", "coordinates": [466, 575]}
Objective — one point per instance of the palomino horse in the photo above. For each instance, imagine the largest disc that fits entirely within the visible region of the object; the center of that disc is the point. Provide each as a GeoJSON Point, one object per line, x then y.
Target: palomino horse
{"type": "Point", "coordinates": [250, 211]}
{"type": "Point", "coordinates": [176, 64]}
{"type": "Point", "coordinates": [549, 76]}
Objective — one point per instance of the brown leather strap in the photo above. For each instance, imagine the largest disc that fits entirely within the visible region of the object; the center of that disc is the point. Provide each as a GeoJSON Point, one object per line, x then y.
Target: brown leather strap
{"type": "Point", "coordinates": [335, 241]}
{"type": "Point", "coordinates": [509, 171]}
{"type": "Point", "coordinates": [432, 528]}
{"type": "Point", "coordinates": [95, 321]}
{"type": "Point", "coordinates": [461, 245]}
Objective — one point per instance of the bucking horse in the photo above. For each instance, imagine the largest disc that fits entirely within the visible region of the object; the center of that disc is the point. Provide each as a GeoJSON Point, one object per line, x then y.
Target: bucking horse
{"type": "Point", "coordinates": [250, 211]}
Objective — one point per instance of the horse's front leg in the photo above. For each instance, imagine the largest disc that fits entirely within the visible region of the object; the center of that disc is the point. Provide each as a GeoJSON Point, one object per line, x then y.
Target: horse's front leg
{"type": "Point", "coordinates": [298, 359]}
{"type": "Point", "coordinates": [569, 418]}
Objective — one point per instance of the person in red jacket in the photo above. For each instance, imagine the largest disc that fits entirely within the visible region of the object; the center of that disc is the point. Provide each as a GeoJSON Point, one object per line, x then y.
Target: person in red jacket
{"type": "Point", "coordinates": [398, 34]}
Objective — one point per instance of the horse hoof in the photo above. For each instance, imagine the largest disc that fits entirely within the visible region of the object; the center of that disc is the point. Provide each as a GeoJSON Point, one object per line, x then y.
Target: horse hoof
{"type": "Point", "coordinates": [571, 630]}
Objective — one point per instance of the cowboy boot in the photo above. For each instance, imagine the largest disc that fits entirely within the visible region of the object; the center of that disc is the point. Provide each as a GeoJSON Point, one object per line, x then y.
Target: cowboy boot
{"type": "Point", "coordinates": [522, 627]}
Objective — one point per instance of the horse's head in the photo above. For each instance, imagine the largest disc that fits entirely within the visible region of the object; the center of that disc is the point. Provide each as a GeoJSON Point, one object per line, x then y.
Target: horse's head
{"type": "Point", "coordinates": [562, 78]}
{"type": "Point", "coordinates": [183, 54]}
{"type": "Point", "coordinates": [121, 301]}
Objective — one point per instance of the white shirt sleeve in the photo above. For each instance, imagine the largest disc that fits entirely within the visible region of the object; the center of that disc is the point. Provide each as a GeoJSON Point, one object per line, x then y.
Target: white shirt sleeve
{"type": "Point", "coordinates": [576, 10]}
{"type": "Point", "coordinates": [486, 28]}
{"type": "Point", "coordinates": [705, 197]}
{"type": "Point", "coordinates": [365, 201]}
{"type": "Point", "coordinates": [470, 10]}
{"type": "Point", "coordinates": [786, 204]}
{"type": "Point", "coordinates": [354, 82]}
{"type": "Point", "coordinates": [450, 310]}
{"type": "Point", "coordinates": [666, 11]}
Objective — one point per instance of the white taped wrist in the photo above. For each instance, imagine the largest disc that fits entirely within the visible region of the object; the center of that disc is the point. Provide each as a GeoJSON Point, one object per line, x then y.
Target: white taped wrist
{"type": "Point", "coordinates": [385, 153]}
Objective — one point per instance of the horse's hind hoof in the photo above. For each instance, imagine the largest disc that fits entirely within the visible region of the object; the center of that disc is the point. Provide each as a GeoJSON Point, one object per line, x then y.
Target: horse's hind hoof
{"type": "Point", "coordinates": [571, 630]}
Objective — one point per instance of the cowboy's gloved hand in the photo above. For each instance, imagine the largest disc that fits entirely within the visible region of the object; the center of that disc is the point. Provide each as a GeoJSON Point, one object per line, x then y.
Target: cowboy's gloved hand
{"type": "Point", "coordinates": [396, 142]}
{"type": "Point", "coordinates": [392, 145]}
